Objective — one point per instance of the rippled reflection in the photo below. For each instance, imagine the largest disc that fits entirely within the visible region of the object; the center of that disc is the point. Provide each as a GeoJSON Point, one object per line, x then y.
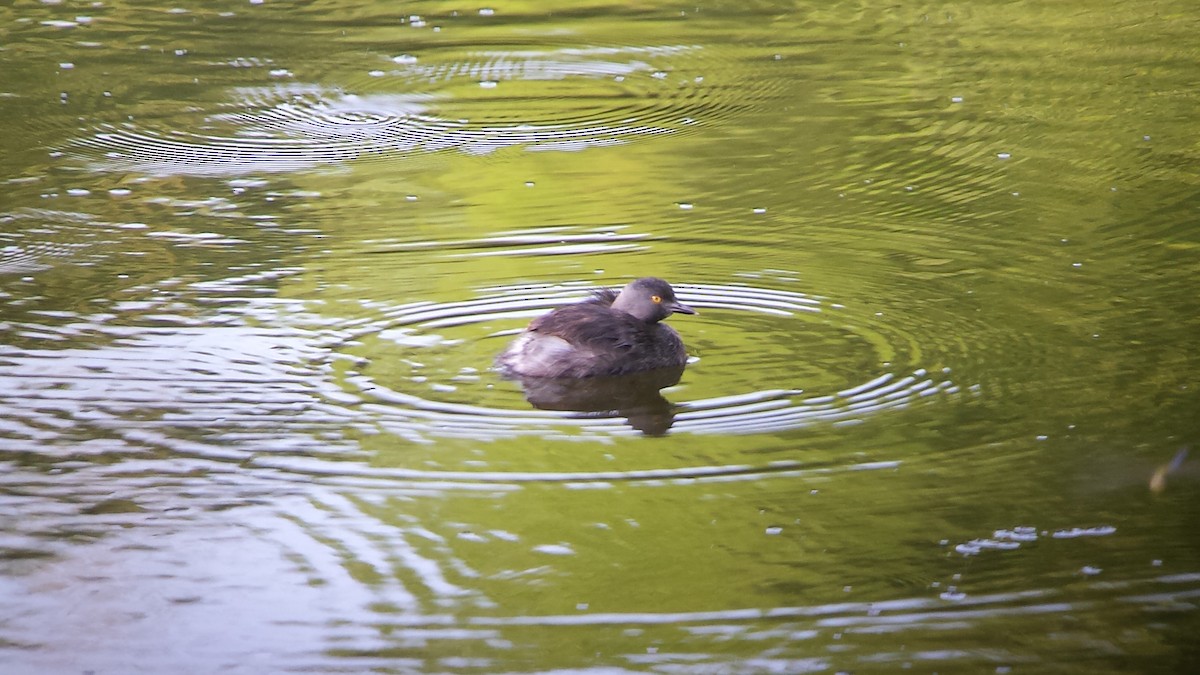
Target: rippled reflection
{"type": "Point", "coordinates": [636, 397]}
{"type": "Point", "coordinates": [294, 126]}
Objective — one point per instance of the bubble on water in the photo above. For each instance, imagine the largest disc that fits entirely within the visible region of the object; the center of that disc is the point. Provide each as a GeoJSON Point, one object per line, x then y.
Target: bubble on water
{"type": "Point", "coordinates": [953, 595]}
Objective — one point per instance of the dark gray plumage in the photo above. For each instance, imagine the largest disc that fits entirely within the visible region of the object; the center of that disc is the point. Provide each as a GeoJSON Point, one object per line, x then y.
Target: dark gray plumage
{"type": "Point", "coordinates": [610, 333]}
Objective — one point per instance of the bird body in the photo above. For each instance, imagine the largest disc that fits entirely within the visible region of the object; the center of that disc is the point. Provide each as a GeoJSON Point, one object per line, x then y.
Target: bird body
{"type": "Point", "coordinates": [610, 333]}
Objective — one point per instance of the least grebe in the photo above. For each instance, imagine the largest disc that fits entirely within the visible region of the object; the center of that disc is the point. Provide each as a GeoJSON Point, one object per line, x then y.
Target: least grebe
{"type": "Point", "coordinates": [610, 333]}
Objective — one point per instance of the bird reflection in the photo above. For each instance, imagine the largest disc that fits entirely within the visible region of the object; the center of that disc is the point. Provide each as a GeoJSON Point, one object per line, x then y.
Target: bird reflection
{"type": "Point", "coordinates": [1158, 481]}
{"type": "Point", "coordinates": [635, 397]}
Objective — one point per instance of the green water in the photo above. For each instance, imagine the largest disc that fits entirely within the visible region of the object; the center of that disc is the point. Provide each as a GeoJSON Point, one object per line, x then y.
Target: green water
{"type": "Point", "coordinates": [256, 261]}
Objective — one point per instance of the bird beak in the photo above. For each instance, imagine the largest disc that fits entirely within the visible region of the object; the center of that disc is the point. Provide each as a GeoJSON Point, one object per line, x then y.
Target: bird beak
{"type": "Point", "coordinates": [680, 308]}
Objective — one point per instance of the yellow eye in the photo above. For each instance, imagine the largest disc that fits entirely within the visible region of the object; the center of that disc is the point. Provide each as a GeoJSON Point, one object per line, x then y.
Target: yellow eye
{"type": "Point", "coordinates": [656, 299]}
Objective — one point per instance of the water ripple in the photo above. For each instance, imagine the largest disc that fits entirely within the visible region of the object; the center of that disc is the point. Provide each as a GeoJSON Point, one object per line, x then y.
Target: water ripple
{"type": "Point", "coordinates": [274, 385]}
{"type": "Point", "coordinates": [595, 96]}
{"type": "Point", "coordinates": [511, 479]}
{"type": "Point", "coordinates": [34, 240]}
{"type": "Point", "coordinates": [542, 241]}
{"type": "Point", "coordinates": [442, 399]}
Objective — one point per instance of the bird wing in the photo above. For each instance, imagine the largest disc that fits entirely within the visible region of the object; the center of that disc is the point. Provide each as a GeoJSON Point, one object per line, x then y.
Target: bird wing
{"type": "Point", "coordinates": [589, 327]}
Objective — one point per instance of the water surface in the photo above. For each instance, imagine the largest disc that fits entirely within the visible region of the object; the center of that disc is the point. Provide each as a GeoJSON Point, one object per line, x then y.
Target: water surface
{"type": "Point", "coordinates": [256, 260]}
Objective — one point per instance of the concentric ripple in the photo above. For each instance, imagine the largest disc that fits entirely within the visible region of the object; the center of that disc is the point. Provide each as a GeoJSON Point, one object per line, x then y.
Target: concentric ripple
{"type": "Point", "coordinates": [438, 395]}
{"type": "Point", "coordinates": [564, 99]}
{"type": "Point", "coordinates": [32, 240]}
{"type": "Point", "coordinates": [540, 241]}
